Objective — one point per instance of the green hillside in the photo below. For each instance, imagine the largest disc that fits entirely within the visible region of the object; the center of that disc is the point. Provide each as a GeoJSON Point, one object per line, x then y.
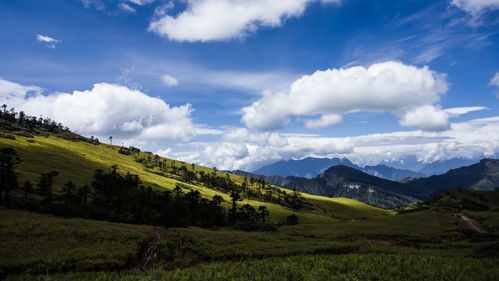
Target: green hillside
{"type": "Point", "coordinates": [77, 161]}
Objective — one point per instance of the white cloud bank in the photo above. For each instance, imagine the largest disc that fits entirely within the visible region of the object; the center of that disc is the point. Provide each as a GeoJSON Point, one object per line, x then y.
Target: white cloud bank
{"type": "Point", "coordinates": [107, 109]}
{"type": "Point", "coordinates": [244, 149]}
{"type": "Point", "coordinates": [213, 20]}
{"type": "Point", "coordinates": [476, 7]}
{"type": "Point", "coordinates": [403, 90]}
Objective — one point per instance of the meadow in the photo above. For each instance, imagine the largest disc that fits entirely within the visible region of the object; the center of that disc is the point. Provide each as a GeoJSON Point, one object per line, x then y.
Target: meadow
{"type": "Point", "coordinates": [335, 239]}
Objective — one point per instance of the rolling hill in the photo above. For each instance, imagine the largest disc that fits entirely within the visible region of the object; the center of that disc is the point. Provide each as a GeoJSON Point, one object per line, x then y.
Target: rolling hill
{"type": "Point", "coordinates": [77, 160]}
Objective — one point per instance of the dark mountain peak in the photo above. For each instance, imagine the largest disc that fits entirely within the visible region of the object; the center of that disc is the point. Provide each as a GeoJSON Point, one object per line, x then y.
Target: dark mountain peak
{"type": "Point", "coordinates": [483, 175]}
{"type": "Point", "coordinates": [307, 167]}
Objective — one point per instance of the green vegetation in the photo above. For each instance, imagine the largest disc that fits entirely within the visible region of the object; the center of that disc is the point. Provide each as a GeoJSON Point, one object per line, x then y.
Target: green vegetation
{"type": "Point", "coordinates": [81, 159]}
{"type": "Point", "coordinates": [315, 268]}
{"type": "Point", "coordinates": [309, 238]}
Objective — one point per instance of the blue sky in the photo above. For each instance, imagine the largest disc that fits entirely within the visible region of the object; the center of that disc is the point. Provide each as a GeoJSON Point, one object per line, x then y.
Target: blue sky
{"type": "Point", "coordinates": [233, 65]}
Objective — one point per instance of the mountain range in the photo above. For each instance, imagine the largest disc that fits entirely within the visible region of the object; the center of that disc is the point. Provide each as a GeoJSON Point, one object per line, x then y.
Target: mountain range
{"type": "Point", "coordinates": [349, 182]}
{"type": "Point", "coordinates": [408, 167]}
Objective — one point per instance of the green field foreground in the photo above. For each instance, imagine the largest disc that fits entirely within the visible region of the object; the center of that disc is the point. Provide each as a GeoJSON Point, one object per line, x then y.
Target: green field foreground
{"type": "Point", "coordinates": [43, 247]}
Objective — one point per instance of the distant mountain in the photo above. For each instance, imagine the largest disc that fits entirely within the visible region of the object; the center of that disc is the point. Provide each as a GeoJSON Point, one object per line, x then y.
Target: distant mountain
{"type": "Point", "coordinates": [311, 167]}
{"type": "Point", "coordinates": [343, 181]}
{"type": "Point", "coordinates": [385, 172]}
{"type": "Point", "coordinates": [308, 167]}
{"type": "Point", "coordinates": [481, 176]}
{"type": "Point", "coordinates": [411, 163]}
{"type": "Point", "coordinates": [443, 166]}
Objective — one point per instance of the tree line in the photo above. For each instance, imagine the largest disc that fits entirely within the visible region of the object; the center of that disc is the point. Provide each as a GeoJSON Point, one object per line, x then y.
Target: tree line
{"type": "Point", "coordinates": [122, 197]}
{"type": "Point", "coordinates": [250, 189]}
{"type": "Point", "coordinates": [26, 125]}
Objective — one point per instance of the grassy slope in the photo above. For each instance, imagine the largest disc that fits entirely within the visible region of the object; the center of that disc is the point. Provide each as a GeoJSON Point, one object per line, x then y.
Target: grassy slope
{"type": "Point", "coordinates": [80, 159]}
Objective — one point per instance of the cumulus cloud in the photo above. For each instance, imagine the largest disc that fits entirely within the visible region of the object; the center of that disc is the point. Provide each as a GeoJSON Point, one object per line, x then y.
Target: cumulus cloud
{"type": "Point", "coordinates": [107, 109]}
{"type": "Point", "coordinates": [325, 121]}
{"type": "Point", "coordinates": [49, 41]}
{"type": "Point", "coordinates": [169, 81]}
{"type": "Point", "coordinates": [383, 87]}
{"type": "Point", "coordinates": [248, 150]}
{"type": "Point", "coordinates": [212, 20]}
{"type": "Point", "coordinates": [427, 117]}
{"type": "Point", "coordinates": [476, 7]}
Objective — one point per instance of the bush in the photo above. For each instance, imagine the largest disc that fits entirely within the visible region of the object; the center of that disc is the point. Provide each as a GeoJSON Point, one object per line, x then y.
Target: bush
{"type": "Point", "coordinates": [292, 219]}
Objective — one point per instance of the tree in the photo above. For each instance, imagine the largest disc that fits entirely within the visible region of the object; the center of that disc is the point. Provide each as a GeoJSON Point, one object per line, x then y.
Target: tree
{"type": "Point", "coordinates": [83, 193]}
{"type": "Point", "coordinates": [28, 189]}
{"type": "Point", "coordinates": [45, 183]}
{"type": "Point", "coordinates": [235, 197]}
{"type": "Point", "coordinates": [263, 213]}
{"type": "Point", "coordinates": [68, 191]}
{"type": "Point", "coordinates": [111, 140]}
{"type": "Point", "coordinates": [248, 214]}
{"type": "Point", "coordinates": [8, 176]}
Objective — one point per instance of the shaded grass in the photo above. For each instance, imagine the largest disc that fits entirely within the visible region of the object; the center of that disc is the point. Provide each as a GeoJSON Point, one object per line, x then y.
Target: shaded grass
{"type": "Point", "coordinates": [314, 268]}
{"type": "Point", "coordinates": [43, 243]}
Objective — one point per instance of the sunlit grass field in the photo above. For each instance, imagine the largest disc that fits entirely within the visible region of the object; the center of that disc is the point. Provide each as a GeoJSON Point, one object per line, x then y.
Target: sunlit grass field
{"type": "Point", "coordinates": [77, 161]}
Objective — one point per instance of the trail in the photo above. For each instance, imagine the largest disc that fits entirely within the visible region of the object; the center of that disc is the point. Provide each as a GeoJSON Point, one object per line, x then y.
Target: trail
{"type": "Point", "coordinates": [150, 254]}
{"type": "Point", "coordinates": [475, 225]}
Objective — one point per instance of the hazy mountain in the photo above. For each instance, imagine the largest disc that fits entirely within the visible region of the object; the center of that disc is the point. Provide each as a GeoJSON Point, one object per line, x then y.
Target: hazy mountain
{"type": "Point", "coordinates": [308, 167]}
{"type": "Point", "coordinates": [481, 176]}
{"type": "Point", "coordinates": [443, 166]}
{"type": "Point", "coordinates": [411, 163]}
{"type": "Point", "coordinates": [390, 173]}
{"type": "Point", "coordinates": [311, 167]}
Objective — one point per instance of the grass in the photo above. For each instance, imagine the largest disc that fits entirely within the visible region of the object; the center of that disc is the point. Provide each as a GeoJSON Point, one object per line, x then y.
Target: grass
{"type": "Point", "coordinates": [42, 243]}
{"type": "Point", "coordinates": [314, 268]}
{"type": "Point", "coordinates": [81, 159]}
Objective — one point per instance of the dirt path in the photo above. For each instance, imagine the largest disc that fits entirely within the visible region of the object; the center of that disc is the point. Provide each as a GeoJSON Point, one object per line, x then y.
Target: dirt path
{"type": "Point", "coordinates": [475, 225]}
{"type": "Point", "coordinates": [150, 254]}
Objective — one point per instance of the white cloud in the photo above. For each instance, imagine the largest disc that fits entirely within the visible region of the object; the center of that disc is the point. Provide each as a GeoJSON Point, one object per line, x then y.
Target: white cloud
{"type": "Point", "coordinates": [141, 2]}
{"type": "Point", "coordinates": [49, 41]}
{"type": "Point", "coordinates": [325, 121]}
{"type": "Point", "coordinates": [107, 109]}
{"type": "Point", "coordinates": [383, 87]}
{"type": "Point", "coordinates": [248, 150]}
{"type": "Point", "coordinates": [476, 7]}
{"type": "Point", "coordinates": [169, 80]}
{"type": "Point", "coordinates": [495, 80]}
{"type": "Point", "coordinates": [427, 117]}
{"type": "Point", "coordinates": [433, 118]}
{"type": "Point", "coordinates": [457, 111]}
{"type": "Point", "coordinates": [213, 20]}
{"type": "Point", "coordinates": [127, 8]}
